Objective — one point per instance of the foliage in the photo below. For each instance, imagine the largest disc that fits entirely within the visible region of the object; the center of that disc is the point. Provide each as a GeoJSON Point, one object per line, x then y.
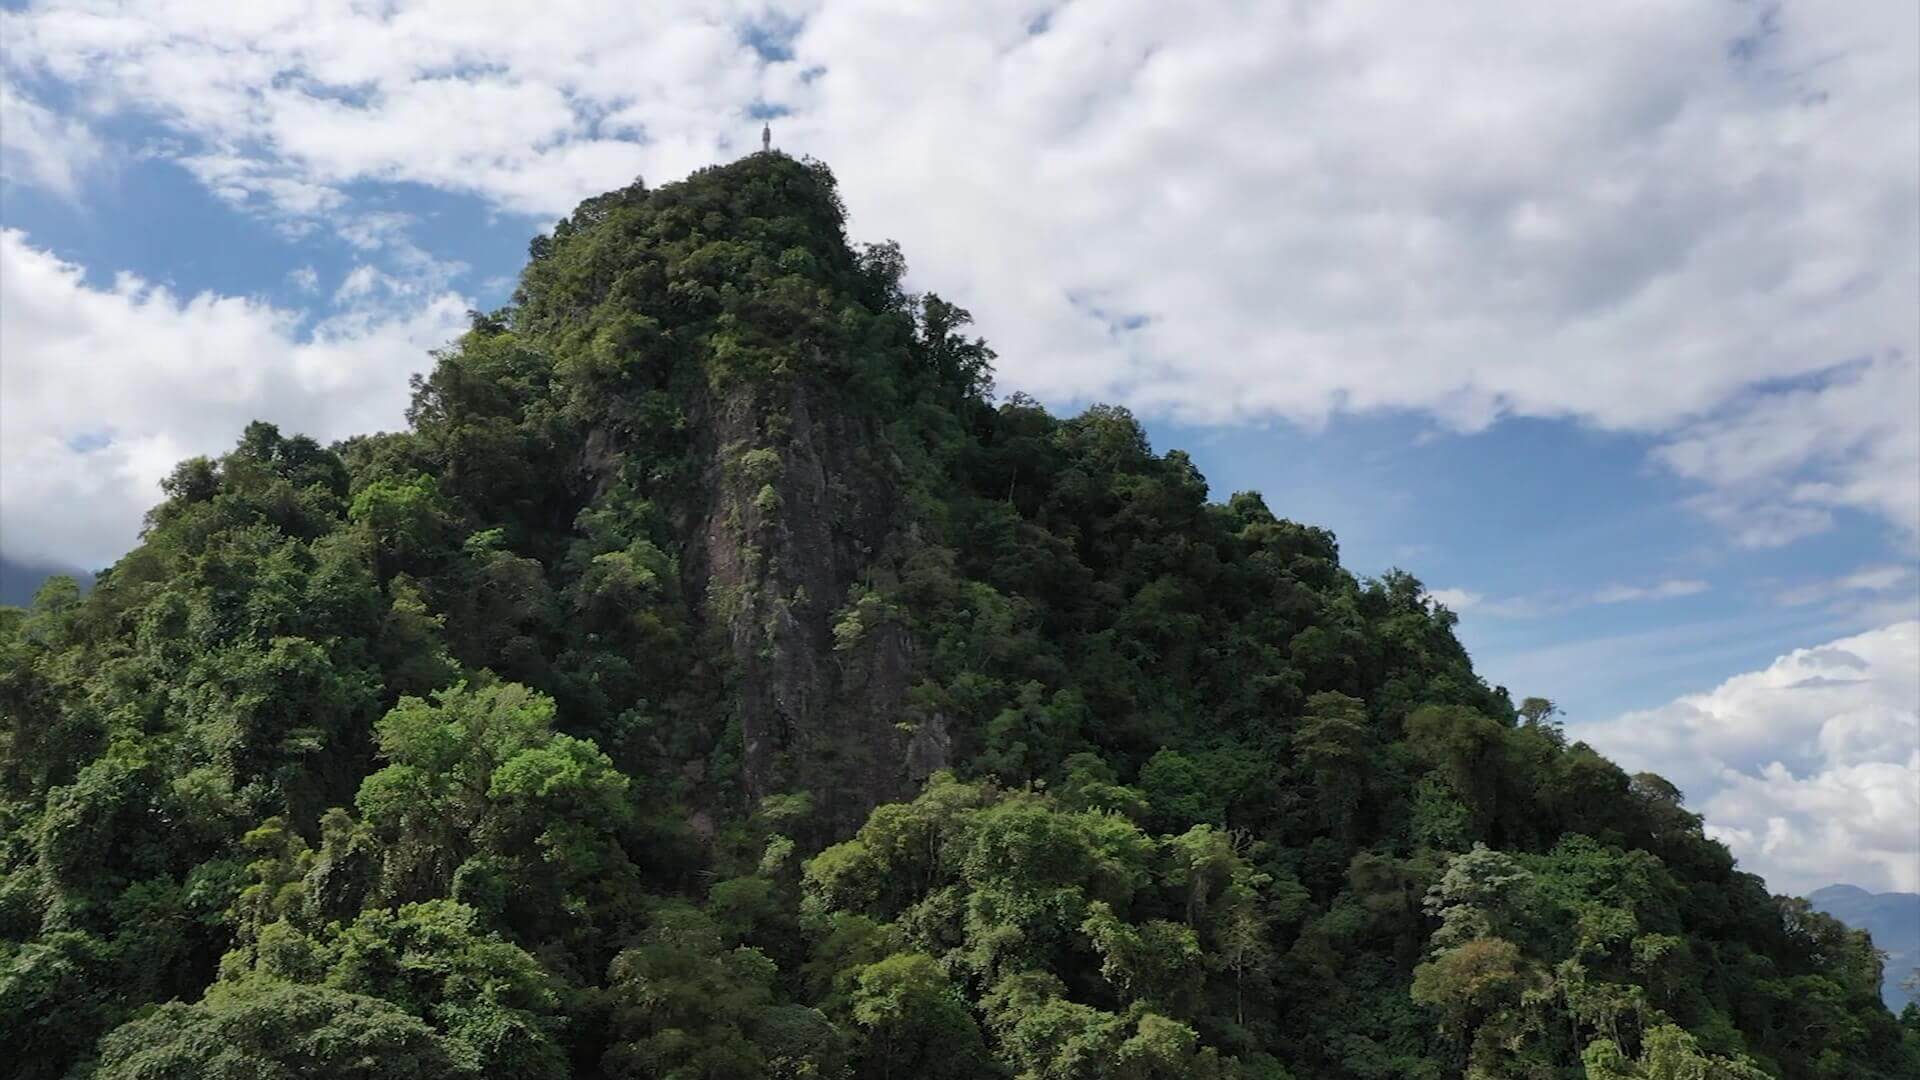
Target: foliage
{"type": "Point", "coordinates": [284, 1031]}
{"type": "Point", "coordinates": [426, 754]}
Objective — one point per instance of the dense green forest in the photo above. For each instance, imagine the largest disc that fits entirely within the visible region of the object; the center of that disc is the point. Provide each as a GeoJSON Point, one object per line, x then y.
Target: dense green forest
{"type": "Point", "coordinates": [714, 682]}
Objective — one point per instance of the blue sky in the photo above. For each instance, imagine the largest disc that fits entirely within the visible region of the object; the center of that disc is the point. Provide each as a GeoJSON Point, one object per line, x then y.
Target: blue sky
{"type": "Point", "coordinates": [1551, 524]}
{"type": "Point", "coordinates": [1603, 325]}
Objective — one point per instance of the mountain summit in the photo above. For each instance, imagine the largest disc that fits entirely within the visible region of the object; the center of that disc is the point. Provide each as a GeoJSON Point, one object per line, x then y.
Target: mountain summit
{"type": "Point", "coordinates": [762, 389]}
{"type": "Point", "coordinates": [715, 682]}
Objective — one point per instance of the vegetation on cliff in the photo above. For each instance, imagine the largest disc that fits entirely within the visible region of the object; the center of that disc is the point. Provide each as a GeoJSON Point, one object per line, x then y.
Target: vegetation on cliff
{"type": "Point", "coordinates": [715, 683]}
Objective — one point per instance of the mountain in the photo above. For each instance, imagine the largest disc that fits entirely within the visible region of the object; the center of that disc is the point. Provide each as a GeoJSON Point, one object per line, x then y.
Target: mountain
{"type": "Point", "coordinates": [1893, 918]}
{"type": "Point", "coordinates": [20, 580]}
{"type": "Point", "coordinates": [714, 681]}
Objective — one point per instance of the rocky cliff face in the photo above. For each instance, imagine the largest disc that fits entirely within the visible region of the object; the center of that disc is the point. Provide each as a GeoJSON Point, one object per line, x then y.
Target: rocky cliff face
{"type": "Point", "coordinates": [803, 516]}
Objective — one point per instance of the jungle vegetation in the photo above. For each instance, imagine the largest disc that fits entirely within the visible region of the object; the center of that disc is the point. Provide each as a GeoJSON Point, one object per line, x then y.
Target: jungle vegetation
{"type": "Point", "coordinates": [717, 681]}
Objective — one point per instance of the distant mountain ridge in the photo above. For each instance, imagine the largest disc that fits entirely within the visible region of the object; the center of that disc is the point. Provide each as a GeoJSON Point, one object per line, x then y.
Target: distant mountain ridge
{"type": "Point", "coordinates": [20, 580]}
{"type": "Point", "coordinates": [1893, 918]}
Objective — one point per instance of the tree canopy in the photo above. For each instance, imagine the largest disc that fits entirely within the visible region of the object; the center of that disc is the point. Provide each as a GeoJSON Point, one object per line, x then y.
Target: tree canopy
{"type": "Point", "coordinates": [715, 681]}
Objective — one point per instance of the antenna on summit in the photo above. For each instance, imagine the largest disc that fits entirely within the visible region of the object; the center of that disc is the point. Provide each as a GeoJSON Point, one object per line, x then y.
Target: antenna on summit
{"type": "Point", "coordinates": [766, 138]}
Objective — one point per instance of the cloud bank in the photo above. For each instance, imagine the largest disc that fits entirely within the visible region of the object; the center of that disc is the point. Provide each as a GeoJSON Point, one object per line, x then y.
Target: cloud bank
{"type": "Point", "coordinates": [1808, 769]}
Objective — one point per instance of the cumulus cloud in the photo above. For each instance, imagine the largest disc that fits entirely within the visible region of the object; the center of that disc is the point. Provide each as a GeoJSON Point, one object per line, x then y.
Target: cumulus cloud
{"type": "Point", "coordinates": [1695, 223]}
{"type": "Point", "coordinates": [1808, 769]}
{"type": "Point", "coordinates": [103, 390]}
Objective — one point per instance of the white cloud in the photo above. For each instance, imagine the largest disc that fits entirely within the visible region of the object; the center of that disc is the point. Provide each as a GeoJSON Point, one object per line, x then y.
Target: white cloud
{"type": "Point", "coordinates": [359, 282]}
{"type": "Point", "coordinates": [1877, 578]}
{"type": "Point", "coordinates": [1692, 222]}
{"type": "Point", "coordinates": [1869, 580]}
{"type": "Point", "coordinates": [1777, 465]}
{"type": "Point", "coordinates": [305, 278]}
{"type": "Point", "coordinates": [42, 148]}
{"type": "Point", "coordinates": [1620, 594]}
{"type": "Point", "coordinates": [103, 390]}
{"type": "Point", "coordinates": [1845, 824]}
{"type": "Point", "coordinates": [292, 101]}
{"type": "Point", "coordinates": [1808, 769]}
{"type": "Point", "coordinates": [1559, 603]}
{"type": "Point", "coordinates": [1455, 599]}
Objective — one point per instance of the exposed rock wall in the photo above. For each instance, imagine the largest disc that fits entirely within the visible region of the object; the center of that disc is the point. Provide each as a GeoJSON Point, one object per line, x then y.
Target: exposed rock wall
{"type": "Point", "coordinates": [802, 511]}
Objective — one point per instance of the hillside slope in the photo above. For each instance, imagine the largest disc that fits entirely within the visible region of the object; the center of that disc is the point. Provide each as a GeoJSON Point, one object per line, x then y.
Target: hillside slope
{"type": "Point", "coordinates": [713, 682]}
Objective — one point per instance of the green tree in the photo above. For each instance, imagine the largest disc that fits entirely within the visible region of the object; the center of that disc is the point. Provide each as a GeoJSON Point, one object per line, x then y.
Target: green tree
{"type": "Point", "coordinates": [1463, 745]}
{"type": "Point", "coordinates": [1667, 1053]}
{"type": "Point", "coordinates": [478, 782]}
{"type": "Point", "coordinates": [915, 1022]}
{"type": "Point", "coordinates": [1336, 744]}
{"type": "Point", "coordinates": [687, 1007]}
{"type": "Point", "coordinates": [278, 1030]}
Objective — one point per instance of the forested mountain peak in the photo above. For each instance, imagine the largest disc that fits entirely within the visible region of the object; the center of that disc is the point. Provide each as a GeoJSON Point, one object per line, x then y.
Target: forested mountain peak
{"type": "Point", "coordinates": [713, 681]}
